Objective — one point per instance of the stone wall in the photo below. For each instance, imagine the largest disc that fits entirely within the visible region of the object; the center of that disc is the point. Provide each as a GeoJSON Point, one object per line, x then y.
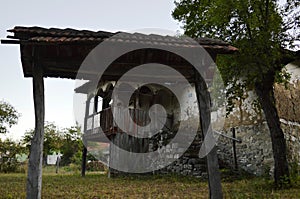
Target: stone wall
{"type": "Point", "coordinates": [288, 106]}
{"type": "Point", "coordinates": [292, 137]}
{"type": "Point", "coordinates": [254, 154]}
{"type": "Point", "coordinates": [189, 163]}
{"type": "Point", "coordinates": [186, 162]}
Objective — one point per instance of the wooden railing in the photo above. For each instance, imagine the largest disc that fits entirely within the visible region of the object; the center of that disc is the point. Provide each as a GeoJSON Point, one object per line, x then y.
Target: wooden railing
{"type": "Point", "coordinates": [105, 120]}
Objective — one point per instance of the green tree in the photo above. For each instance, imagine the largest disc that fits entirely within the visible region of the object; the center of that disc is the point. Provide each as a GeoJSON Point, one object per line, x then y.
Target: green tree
{"type": "Point", "coordinates": [8, 149]}
{"type": "Point", "coordinates": [8, 116]}
{"type": "Point", "coordinates": [67, 141]}
{"type": "Point", "coordinates": [261, 29]}
{"type": "Point", "coordinates": [72, 146]}
{"type": "Point", "coordinates": [53, 139]}
{"type": "Point", "coordinates": [8, 155]}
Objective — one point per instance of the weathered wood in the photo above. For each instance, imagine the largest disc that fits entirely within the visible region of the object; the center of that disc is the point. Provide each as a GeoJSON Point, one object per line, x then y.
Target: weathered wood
{"type": "Point", "coordinates": [84, 151]}
{"type": "Point", "coordinates": [57, 163]}
{"type": "Point", "coordinates": [203, 98]}
{"type": "Point", "coordinates": [34, 176]}
{"type": "Point", "coordinates": [234, 149]}
{"type": "Point", "coordinates": [96, 104]}
{"type": "Point", "coordinates": [83, 168]}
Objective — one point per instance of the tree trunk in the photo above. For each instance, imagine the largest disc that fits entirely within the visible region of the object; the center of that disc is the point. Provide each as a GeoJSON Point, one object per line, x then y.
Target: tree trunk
{"type": "Point", "coordinates": [265, 93]}
{"type": "Point", "coordinates": [34, 176]}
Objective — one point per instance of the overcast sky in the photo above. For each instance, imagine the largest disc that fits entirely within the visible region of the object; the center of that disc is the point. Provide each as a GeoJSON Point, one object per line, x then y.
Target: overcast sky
{"type": "Point", "coordinates": [112, 15]}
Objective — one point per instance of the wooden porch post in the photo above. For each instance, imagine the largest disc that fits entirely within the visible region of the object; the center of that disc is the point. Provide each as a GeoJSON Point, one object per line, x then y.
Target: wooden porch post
{"type": "Point", "coordinates": [83, 166]}
{"type": "Point", "coordinates": [203, 98]}
{"type": "Point", "coordinates": [34, 176]}
{"type": "Point", "coordinates": [84, 151]}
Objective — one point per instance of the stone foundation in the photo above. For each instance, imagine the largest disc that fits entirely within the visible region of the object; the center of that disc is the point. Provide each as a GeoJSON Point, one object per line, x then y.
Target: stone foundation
{"type": "Point", "coordinates": [255, 154]}
{"type": "Point", "coordinates": [189, 163]}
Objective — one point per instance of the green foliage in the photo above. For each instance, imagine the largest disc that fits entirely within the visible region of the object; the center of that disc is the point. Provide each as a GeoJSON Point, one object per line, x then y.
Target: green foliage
{"type": "Point", "coordinates": [72, 146]}
{"type": "Point", "coordinates": [52, 139]}
{"type": "Point", "coordinates": [67, 141]}
{"type": "Point", "coordinates": [294, 171]}
{"type": "Point", "coordinates": [95, 166]}
{"type": "Point", "coordinates": [8, 116]}
{"type": "Point", "coordinates": [284, 182]}
{"type": "Point", "coordinates": [260, 29]}
{"type": "Point", "coordinates": [72, 168]}
{"type": "Point", "coordinates": [9, 152]}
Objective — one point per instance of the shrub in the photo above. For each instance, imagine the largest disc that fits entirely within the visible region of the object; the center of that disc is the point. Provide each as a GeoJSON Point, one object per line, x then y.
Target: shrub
{"type": "Point", "coordinates": [9, 152]}
{"type": "Point", "coordinates": [95, 166]}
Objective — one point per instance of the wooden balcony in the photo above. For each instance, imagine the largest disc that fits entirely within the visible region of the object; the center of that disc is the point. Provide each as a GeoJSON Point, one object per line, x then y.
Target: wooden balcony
{"type": "Point", "coordinates": [104, 121]}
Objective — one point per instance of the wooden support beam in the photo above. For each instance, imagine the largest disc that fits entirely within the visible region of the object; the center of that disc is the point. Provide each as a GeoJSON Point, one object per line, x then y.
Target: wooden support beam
{"type": "Point", "coordinates": [234, 149]}
{"type": "Point", "coordinates": [84, 151]}
{"type": "Point", "coordinates": [83, 167]}
{"type": "Point", "coordinates": [203, 98]}
{"type": "Point", "coordinates": [34, 176]}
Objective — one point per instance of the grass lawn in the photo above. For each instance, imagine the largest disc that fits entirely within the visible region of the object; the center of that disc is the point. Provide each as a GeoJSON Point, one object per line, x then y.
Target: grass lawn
{"type": "Point", "coordinates": [96, 185]}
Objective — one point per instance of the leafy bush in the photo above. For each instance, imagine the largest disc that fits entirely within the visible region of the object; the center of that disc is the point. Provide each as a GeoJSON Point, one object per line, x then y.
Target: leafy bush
{"type": "Point", "coordinates": [8, 156]}
{"type": "Point", "coordinates": [72, 146]}
{"type": "Point", "coordinates": [95, 166]}
{"type": "Point", "coordinates": [294, 171]}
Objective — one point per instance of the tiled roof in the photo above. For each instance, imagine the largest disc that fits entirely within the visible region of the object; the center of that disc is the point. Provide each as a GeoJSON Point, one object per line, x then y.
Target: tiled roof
{"type": "Point", "coordinates": [62, 51]}
{"type": "Point", "coordinates": [56, 35]}
{"type": "Point", "coordinates": [34, 32]}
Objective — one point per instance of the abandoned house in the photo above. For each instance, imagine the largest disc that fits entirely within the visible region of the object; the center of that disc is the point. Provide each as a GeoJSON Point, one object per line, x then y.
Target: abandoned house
{"type": "Point", "coordinates": [59, 53]}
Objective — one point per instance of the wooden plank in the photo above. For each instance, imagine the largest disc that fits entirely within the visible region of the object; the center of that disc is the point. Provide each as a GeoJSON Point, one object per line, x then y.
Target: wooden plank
{"type": "Point", "coordinates": [83, 166]}
{"type": "Point", "coordinates": [203, 98]}
{"type": "Point", "coordinates": [34, 176]}
{"type": "Point", "coordinates": [234, 149]}
{"type": "Point", "coordinates": [84, 151]}
{"type": "Point", "coordinates": [8, 41]}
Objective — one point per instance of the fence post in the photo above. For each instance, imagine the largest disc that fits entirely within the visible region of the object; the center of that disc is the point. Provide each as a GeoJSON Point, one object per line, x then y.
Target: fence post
{"type": "Point", "coordinates": [234, 149]}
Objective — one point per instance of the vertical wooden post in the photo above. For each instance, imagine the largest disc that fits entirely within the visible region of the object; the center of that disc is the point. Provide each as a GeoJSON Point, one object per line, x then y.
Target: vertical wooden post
{"type": "Point", "coordinates": [105, 102]}
{"type": "Point", "coordinates": [203, 98]}
{"type": "Point", "coordinates": [234, 149]}
{"type": "Point", "coordinates": [84, 151]}
{"type": "Point", "coordinates": [83, 168]}
{"type": "Point", "coordinates": [34, 176]}
{"type": "Point", "coordinates": [96, 104]}
{"type": "Point", "coordinates": [57, 164]}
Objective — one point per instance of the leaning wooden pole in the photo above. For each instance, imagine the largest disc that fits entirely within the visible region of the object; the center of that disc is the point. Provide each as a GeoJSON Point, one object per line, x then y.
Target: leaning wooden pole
{"type": "Point", "coordinates": [203, 98]}
{"type": "Point", "coordinates": [34, 176]}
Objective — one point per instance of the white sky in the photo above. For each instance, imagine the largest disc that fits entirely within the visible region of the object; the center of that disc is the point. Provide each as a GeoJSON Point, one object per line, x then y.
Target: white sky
{"type": "Point", "coordinates": [113, 15]}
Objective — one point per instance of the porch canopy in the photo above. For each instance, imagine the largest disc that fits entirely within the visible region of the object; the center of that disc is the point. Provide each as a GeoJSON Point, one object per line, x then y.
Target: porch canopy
{"type": "Point", "coordinates": [59, 53]}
